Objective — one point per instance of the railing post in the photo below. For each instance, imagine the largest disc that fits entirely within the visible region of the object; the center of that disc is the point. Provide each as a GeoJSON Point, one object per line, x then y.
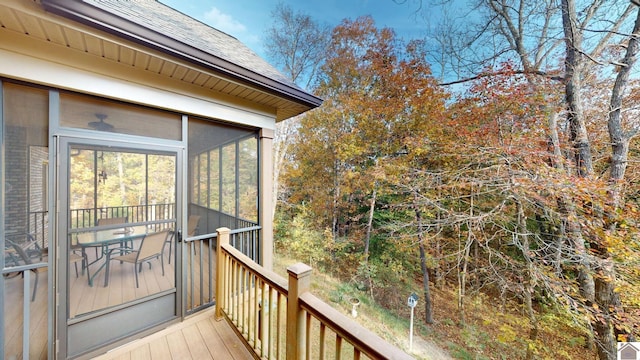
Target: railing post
{"type": "Point", "coordinates": [223, 238]}
{"type": "Point", "coordinates": [299, 283]}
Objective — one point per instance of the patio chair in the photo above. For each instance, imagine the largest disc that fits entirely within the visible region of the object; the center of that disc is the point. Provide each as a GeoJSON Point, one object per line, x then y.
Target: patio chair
{"type": "Point", "coordinates": [112, 221]}
{"type": "Point", "coordinates": [151, 247]}
{"type": "Point", "coordinates": [78, 255]}
{"type": "Point", "coordinates": [170, 239]}
{"type": "Point", "coordinates": [23, 254]}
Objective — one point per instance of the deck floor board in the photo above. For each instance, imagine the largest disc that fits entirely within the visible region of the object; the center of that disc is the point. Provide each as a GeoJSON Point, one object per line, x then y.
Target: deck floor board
{"type": "Point", "coordinates": [202, 340]}
{"type": "Point", "coordinates": [198, 337]}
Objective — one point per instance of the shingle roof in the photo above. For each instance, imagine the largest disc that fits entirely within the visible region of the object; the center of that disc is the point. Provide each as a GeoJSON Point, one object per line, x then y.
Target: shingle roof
{"type": "Point", "coordinates": [169, 22]}
{"type": "Point", "coordinates": [161, 27]}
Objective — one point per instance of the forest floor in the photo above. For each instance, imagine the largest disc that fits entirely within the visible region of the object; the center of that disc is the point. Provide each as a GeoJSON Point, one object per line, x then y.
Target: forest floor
{"type": "Point", "coordinates": [492, 330]}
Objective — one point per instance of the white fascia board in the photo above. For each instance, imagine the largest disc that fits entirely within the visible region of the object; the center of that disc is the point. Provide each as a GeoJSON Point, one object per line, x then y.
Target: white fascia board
{"type": "Point", "coordinates": [38, 71]}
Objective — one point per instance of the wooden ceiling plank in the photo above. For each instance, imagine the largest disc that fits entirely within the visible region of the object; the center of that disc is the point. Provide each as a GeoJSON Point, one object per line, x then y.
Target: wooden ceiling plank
{"type": "Point", "coordinates": [155, 65]}
{"type": "Point", "coordinates": [168, 68]}
{"type": "Point", "coordinates": [9, 20]}
{"type": "Point", "coordinates": [190, 76]}
{"type": "Point", "coordinates": [31, 26]}
{"type": "Point", "coordinates": [126, 56]}
{"type": "Point", "coordinates": [141, 61]}
{"type": "Point", "coordinates": [111, 50]}
{"type": "Point", "coordinates": [179, 73]}
{"type": "Point", "coordinates": [93, 45]}
{"type": "Point", "coordinates": [55, 33]}
{"type": "Point", "coordinates": [74, 39]}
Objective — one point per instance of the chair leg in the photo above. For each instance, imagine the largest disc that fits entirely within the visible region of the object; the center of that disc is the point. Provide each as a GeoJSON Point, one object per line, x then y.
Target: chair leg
{"type": "Point", "coordinates": [35, 285]}
{"type": "Point", "coordinates": [85, 263]}
{"type": "Point", "coordinates": [136, 272]}
{"type": "Point", "coordinates": [170, 243]}
{"type": "Point", "coordinates": [162, 263]}
{"type": "Point", "coordinates": [106, 272]}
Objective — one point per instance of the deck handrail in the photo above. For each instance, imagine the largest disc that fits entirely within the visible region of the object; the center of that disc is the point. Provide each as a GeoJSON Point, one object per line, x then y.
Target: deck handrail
{"type": "Point", "coordinates": [251, 299]}
{"type": "Point", "coordinates": [366, 341]}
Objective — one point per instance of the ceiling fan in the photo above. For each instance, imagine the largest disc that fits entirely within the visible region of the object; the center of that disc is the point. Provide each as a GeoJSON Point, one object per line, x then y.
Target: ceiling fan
{"type": "Point", "coordinates": [101, 125]}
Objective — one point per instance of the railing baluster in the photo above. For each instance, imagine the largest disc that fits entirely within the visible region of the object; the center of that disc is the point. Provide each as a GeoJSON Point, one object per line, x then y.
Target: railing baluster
{"type": "Point", "coordinates": [241, 273]}
{"type": "Point", "coordinates": [234, 290]}
{"type": "Point", "coordinates": [192, 267]}
{"type": "Point", "coordinates": [308, 336]}
{"type": "Point", "coordinates": [256, 309]}
{"type": "Point", "coordinates": [239, 292]}
{"type": "Point", "coordinates": [201, 278]}
{"type": "Point", "coordinates": [321, 346]}
{"type": "Point", "coordinates": [211, 275]}
{"type": "Point", "coordinates": [26, 302]}
{"type": "Point", "coordinates": [292, 334]}
{"type": "Point", "coordinates": [245, 301]}
{"type": "Point", "coordinates": [270, 324]}
{"type": "Point", "coordinates": [264, 309]}
{"type": "Point", "coordinates": [278, 325]}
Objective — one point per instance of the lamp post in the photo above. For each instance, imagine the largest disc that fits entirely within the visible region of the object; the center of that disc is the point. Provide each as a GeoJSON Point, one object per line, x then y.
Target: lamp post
{"type": "Point", "coordinates": [412, 302]}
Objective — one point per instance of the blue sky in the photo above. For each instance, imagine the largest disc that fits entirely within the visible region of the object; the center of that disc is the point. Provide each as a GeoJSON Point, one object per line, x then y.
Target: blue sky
{"type": "Point", "coordinates": [248, 20]}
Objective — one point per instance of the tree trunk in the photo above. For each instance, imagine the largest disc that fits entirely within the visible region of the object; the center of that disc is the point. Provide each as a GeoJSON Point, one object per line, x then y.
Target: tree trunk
{"type": "Point", "coordinates": [428, 315]}
{"type": "Point", "coordinates": [280, 152]}
{"type": "Point", "coordinates": [573, 84]}
{"type": "Point", "coordinates": [123, 188]}
{"type": "Point", "coordinates": [368, 239]}
{"type": "Point", "coordinates": [462, 276]}
{"type": "Point", "coordinates": [620, 140]}
{"type": "Point", "coordinates": [606, 298]}
{"type": "Point", "coordinates": [529, 281]}
{"type": "Point", "coordinates": [370, 223]}
{"type": "Point", "coordinates": [336, 197]}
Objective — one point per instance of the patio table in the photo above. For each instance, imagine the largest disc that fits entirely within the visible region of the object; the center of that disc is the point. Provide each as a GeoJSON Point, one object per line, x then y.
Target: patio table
{"type": "Point", "coordinates": [104, 238]}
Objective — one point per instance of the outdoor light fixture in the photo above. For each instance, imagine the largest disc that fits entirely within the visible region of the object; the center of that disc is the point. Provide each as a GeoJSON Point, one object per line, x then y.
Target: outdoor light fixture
{"type": "Point", "coordinates": [103, 176]}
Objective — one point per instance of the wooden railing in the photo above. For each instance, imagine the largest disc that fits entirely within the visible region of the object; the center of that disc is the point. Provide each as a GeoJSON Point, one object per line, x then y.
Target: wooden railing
{"type": "Point", "coordinates": [280, 319]}
{"type": "Point", "coordinates": [200, 264]}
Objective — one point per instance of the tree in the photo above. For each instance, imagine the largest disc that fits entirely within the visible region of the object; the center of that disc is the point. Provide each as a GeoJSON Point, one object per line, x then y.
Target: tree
{"type": "Point", "coordinates": [296, 44]}
{"type": "Point", "coordinates": [531, 34]}
{"type": "Point", "coordinates": [379, 92]}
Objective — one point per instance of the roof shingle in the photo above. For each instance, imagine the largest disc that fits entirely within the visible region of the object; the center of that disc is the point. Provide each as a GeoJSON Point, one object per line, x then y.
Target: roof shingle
{"type": "Point", "coordinates": [169, 22]}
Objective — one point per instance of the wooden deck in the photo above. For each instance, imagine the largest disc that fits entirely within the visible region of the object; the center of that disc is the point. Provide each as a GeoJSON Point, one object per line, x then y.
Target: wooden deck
{"type": "Point", "coordinates": [121, 287]}
{"type": "Point", "coordinates": [198, 337]}
{"type": "Point", "coordinates": [14, 320]}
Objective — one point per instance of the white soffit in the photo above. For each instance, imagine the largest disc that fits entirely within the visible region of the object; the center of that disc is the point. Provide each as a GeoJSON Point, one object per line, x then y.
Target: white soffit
{"type": "Point", "coordinates": [28, 19]}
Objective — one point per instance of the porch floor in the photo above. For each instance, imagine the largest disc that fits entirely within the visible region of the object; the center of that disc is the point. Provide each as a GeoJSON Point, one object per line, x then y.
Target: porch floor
{"type": "Point", "coordinates": [198, 337]}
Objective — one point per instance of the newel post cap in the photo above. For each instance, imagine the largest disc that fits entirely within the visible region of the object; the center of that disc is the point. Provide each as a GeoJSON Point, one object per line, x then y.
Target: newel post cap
{"type": "Point", "coordinates": [299, 270]}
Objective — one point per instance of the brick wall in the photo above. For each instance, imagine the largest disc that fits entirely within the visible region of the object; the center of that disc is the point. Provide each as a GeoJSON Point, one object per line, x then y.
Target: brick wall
{"type": "Point", "coordinates": [16, 196]}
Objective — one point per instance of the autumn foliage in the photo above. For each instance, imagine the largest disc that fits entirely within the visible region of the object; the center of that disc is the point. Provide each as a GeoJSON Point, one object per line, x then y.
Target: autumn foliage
{"type": "Point", "coordinates": [403, 186]}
